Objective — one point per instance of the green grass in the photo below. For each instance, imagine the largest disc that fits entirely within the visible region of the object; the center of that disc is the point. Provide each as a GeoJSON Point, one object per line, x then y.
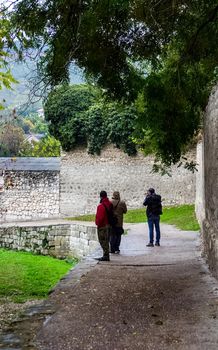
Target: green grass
{"type": "Point", "coordinates": [135, 216]}
{"type": "Point", "coordinates": [24, 276]}
{"type": "Point", "coordinates": [88, 217]}
{"type": "Point", "coordinates": [182, 216]}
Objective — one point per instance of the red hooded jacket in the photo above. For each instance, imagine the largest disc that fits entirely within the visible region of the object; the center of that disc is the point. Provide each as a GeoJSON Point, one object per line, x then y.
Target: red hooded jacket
{"type": "Point", "coordinates": [101, 219]}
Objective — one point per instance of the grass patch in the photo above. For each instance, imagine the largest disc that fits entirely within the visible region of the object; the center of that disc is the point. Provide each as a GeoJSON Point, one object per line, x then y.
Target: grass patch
{"type": "Point", "coordinates": [135, 216]}
{"type": "Point", "coordinates": [88, 217]}
{"type": "Point", "coordinates": [182, 216]}
{"type": "Point", "coordinates": [24, 276]}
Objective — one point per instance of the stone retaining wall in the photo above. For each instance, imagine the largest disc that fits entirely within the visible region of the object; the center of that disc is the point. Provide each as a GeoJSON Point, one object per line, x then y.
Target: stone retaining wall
{"type": "Point", "coordinates": [38, 188]}
{"type": "Point", "coordinates": [30, 189]}
{"type": "Point", "coordinates": [60, 240]}
{"type": "Point", "coordinates": [83, 176]}
{"type": "Point", "coordinates": [199, 198]}
{"type": "Point", "coordinates": [210, 224]}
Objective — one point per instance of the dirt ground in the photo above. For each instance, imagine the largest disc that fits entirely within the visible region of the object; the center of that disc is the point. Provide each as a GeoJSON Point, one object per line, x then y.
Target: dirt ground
{"type": "Point", "coordinates": [10, 311]}
{"type": "Point", "coordinates": [145, 298]}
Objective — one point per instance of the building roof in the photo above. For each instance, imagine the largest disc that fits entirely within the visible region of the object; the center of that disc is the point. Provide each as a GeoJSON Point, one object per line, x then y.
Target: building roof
{"type": "Point", "coordinates": [30, 163]}
{"type": "Point", "coordinates": [34, 137]}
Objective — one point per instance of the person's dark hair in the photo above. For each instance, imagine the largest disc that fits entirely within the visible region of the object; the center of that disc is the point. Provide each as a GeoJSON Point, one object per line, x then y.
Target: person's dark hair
{"type": "Point", "coordinates": [103, 194]}
{"type": "Point", "coordinates": [151, 190]}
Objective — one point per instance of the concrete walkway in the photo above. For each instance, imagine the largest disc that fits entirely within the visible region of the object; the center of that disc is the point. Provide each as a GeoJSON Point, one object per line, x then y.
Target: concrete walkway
{"type": "Point", "coordinates": [145, 298]}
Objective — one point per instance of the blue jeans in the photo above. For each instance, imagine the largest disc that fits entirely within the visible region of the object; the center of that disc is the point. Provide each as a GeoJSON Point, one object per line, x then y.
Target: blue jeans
{"type": "Point", "coordinates": [154, 221]}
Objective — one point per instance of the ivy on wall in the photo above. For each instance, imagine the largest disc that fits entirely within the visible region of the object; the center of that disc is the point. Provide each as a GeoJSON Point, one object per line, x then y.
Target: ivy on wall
{"type": "Point", "coordinates": [78, 115]}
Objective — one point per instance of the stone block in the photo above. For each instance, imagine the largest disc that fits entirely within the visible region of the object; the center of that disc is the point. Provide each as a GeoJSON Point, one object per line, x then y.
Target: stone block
{"type": "Point", "coordinates": [84, 235]}
{"type": "Point", "coordinates": [83, 242]}
{"type": "Point", "coordinates": [76, 253]}
{"type": "Point", "coordinates": [86, 250]}
{"type": "Point", "coordinates": [74, 241]}
{"type": "Point", "coordinates": [216, 249]}
{"type": "Point", "coordinates": [74, 233]}
{"type": "Point", "coordinates": [93, 234]}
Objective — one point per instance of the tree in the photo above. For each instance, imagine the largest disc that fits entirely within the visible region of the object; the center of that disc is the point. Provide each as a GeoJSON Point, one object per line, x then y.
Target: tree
{"type": "Point", "coordinates": [121, 127]}
{"type": "Point", "coordinates": [13, 43]}
{"type": "Point", "coordinates": [96, 130]}
{"type": "Point", "coordinates": [48, 146]}
{"type": "Point", "coordinates": [11, 140]}
{"type": "Point", "coordinates": [161, 53]}
{"type": "Point", "coordinates": [33, 123]}
{"type": "Point", "coordinates": [79, 115]}
{"type": "Point", "coordinates": [64, 110]}
{"type": "Point", "coordinates": [6, 78]}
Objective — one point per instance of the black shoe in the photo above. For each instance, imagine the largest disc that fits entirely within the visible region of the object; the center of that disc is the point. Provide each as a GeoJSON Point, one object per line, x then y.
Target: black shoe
{"type": "Point", "coordinates": [112, 251]}
{"type": "Point", "coordinates": [157, 244]}
{"type": "Point", "coordinates": [117, 251]}
{"type": "Point", "coordinates": [150, 245]}
{"type": "Point", "coordinates": [104, 258]}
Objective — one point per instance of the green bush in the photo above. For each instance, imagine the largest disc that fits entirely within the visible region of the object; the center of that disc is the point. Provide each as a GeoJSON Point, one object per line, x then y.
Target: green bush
{"type": "Point", "coordinates": [78, 115]}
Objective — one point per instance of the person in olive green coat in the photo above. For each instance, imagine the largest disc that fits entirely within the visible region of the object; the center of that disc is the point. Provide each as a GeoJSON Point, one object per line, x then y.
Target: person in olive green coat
{"type": "Point", "coordinates": [119, 208]}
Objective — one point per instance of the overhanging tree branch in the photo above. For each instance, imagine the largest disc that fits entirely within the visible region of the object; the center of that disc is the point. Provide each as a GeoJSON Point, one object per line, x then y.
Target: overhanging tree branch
{"type": "Point", "coordinates": [210, 18]}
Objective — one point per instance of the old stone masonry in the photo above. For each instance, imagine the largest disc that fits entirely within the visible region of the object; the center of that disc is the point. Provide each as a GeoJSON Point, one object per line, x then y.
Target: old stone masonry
{"type": "Point", "coordinates": [39, 188]}
{"type": "Point", "coordinates": [33, 190]}
{"type": "Point", "coordinates": [57, 238]}
{"type": "Point", "coordinates": [30, 188]}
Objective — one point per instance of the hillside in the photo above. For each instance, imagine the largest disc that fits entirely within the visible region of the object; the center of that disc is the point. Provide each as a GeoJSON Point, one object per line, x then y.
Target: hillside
{"type": "Point", "coordinates": [24, 73]}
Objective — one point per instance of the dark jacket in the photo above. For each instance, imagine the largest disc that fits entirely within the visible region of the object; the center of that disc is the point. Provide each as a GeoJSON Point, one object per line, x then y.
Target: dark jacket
{"type": "Point", "coordinates": [153, 203]}
{"type": "Point", "coordinates": [101, 218]}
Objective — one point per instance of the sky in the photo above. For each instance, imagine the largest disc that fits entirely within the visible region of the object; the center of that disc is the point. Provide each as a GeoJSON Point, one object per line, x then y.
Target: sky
{"type": "Point", "coordinates": [23, 72]}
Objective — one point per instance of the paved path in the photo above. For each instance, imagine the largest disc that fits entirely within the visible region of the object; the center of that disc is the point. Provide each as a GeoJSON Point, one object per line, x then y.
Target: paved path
{"type": "Point", "coordinates": [145, 298]}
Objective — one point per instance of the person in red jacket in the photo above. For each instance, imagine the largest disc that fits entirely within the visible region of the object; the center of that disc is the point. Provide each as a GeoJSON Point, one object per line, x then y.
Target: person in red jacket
{"type": "Point", "coordinates": [103, 227]}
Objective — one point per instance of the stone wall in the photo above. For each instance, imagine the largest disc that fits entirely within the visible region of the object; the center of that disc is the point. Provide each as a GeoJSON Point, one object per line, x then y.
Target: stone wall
{"type": "Point", "coordinates": [83, 176]}
{"type": "Point", "coordinates": [199, 199]}
{"type": "Point", "coordinates": [210, 224]}
{"type": "Point", "coordinates": [31, 188]}
{"type": "Point", "coordinates": [59, 240]}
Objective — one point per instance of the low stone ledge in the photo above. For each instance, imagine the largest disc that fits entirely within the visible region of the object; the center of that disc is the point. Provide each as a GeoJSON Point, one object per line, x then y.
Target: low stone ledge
{"type": "Point", "coordinates": [62, 239]}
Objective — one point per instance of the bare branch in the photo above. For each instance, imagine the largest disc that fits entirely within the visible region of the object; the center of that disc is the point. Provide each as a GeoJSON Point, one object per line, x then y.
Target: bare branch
{"type": "Point", "coordinates": [4, 8]}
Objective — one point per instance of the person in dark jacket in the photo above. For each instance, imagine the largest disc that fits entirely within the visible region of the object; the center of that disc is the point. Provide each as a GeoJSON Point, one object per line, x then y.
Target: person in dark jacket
{"type": "Point", "coordinates": [119, 208]}
{"type": "Point", "coordinates": [153, 212]}
{"type": "Point", "coordinates": [101, 220]}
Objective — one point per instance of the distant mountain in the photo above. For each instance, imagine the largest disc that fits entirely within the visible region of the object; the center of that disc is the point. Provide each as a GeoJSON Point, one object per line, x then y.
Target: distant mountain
{"type": "Point", "coordinates": [24, 73]}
